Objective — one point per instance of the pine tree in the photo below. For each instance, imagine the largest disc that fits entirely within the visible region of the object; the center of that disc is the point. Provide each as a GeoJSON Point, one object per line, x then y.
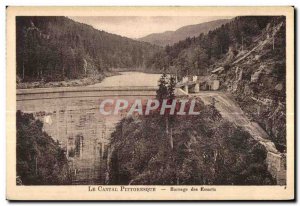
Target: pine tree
{"type": "Point", "coordinates": [162, 92]}
{"type": "Point", "coordinates": [171, 88]}
{"type": "Point", "coordinates": [170, 119]}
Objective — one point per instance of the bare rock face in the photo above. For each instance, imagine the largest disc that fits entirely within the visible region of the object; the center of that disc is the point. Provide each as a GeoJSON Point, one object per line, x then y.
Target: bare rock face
{"type": "Point", "coordinates": [257, 57]}
{"type": "Point", "coordinates": [255, 77]}
{"type": "Point", "coordinates": [279, 87]}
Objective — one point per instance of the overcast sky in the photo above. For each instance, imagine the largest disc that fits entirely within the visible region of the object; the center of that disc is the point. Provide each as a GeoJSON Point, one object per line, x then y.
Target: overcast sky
{"type": "Point", "coordinates": [140, 26]}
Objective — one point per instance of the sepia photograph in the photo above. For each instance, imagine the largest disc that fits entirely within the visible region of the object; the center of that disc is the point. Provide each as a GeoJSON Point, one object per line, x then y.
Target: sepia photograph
{"type": "Point", "coordinates": [167, 101]}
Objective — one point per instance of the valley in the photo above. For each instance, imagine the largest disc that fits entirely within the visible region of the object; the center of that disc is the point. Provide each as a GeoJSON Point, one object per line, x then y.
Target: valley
{"type": "Point", "coordinates": [65, 69]}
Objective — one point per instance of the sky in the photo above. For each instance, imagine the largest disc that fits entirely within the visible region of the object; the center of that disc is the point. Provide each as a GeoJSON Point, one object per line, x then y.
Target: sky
{"type": "Point", "coordinates": [140, 26]}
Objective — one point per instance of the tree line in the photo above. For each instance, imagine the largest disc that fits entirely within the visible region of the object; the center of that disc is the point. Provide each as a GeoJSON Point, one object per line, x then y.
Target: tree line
{"type": "Point", "coordinates": [58, 48]}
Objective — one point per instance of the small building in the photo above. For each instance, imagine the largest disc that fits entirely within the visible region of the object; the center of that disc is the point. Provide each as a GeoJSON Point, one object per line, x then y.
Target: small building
{"type": "Point", "coordinates": [208, 83]}
{"type": "Point", "coordinates": [184, 79]}
{"type": "Point", "coordinates": [214, 85]}
{"type": "Point", "coordinates": [189, 78]}
{"type": "Point", "coordinates": [195, 84]}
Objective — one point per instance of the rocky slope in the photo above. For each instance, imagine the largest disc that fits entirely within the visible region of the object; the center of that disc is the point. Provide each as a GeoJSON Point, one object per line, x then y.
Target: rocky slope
{"type": "Point", "coordinates": [256, 77]}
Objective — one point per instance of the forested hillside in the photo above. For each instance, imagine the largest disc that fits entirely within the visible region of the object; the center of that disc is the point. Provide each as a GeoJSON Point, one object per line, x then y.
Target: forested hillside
{"type": "Point", "coordinates": [58, 48]}
{"type": "Point", "coordinates": [40, 160]}
{"type": "Point", "coordinates": [199, 149]}
{"type": "Point", "coordinates": [171, 37]}
{"type": "Point", "coordinates": [250, 52]}
{"type": "Point", "coordinates": [194, 55]}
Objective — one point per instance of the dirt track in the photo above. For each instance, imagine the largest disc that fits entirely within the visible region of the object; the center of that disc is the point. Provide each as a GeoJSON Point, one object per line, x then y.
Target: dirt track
{"type": "Point", "coordinates": [229, 110]}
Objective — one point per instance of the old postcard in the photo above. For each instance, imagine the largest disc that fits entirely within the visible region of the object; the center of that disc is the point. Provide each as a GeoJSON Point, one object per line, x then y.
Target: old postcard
{"type": "Point", "coordinates": [150, 103]}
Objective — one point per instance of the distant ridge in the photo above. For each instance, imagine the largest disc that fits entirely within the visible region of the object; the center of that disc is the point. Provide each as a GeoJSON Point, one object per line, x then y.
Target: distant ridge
{"type": "Point", "coordinates": [171, 37]}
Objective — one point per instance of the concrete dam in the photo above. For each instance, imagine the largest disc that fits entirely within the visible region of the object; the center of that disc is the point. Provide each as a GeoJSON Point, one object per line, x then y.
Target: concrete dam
{"type": "Point", "coordinates": [71, 116]}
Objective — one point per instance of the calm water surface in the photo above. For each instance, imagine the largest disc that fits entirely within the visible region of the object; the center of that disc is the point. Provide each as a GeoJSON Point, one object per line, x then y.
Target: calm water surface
{"type": "Point", "coordinates": [127, 79]}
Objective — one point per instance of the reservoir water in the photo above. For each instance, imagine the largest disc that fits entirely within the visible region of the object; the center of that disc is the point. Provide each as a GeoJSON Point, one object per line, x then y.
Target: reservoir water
{"type": "Point", "coordinates": [129, 79]}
